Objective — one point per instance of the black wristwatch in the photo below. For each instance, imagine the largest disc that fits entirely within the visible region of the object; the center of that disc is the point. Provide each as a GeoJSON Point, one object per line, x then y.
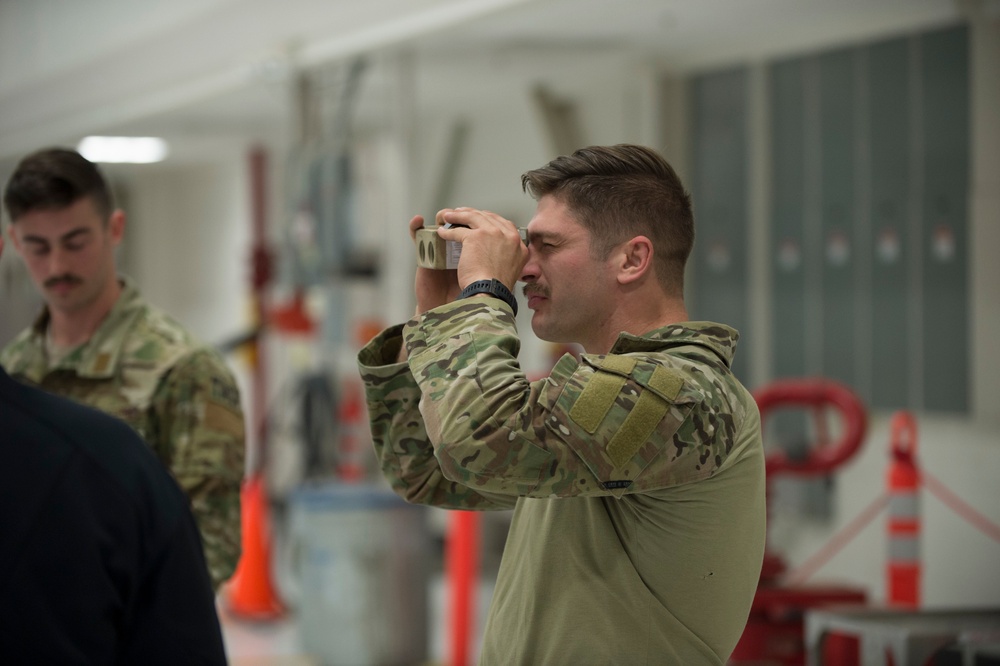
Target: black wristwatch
{"type": "Point", "coordinates": [492, 287]}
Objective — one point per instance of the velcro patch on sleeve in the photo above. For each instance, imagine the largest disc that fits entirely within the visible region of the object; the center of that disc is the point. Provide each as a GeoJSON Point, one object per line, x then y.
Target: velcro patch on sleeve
{"type": "Point", "coordinates": [601, 391]}
{"type": "Point", "coordinates": [620, 365]}
{"type": "Point", "coordinates": [596, 400]}
{"type": "Point", "coordinates": [647, 413]}
{"type": "Point", "coordinates": [666, 382]}
{"type": "Point", "coordinates": [222, 419]}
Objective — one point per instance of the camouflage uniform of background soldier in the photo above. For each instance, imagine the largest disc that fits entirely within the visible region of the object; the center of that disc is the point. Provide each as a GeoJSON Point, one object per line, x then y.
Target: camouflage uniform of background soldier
{"type": "Point", "coordinates": [143, 367]}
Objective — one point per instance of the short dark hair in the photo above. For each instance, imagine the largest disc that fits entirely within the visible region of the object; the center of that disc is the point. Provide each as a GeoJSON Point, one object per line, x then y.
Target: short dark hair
{"type": "Point", "coordinates": [55, 178]}
{"type": "Point", "coordinates": [618, 192]}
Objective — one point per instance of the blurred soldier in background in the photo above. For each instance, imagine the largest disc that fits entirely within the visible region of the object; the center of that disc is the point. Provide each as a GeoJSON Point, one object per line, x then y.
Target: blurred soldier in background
{"type": "Point", "coordinates": [98, 342]}
{"type": "Point", "coordinates": [101, 556]}
{"type": "Point", "coordinates": [636, 473]}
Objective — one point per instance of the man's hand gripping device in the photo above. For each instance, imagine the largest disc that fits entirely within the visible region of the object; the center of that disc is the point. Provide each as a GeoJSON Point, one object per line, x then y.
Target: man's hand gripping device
{"type": "Point", "coordinates": [439, 254]}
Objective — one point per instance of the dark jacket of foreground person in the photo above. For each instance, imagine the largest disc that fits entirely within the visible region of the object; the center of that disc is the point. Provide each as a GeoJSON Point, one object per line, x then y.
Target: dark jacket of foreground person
{"type": "Point", "coordinates": [100, 556]}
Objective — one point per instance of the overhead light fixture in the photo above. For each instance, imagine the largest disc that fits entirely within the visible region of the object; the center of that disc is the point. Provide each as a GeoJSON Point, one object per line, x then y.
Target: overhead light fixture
{"type": "Point", "coordinates": [130, 149]}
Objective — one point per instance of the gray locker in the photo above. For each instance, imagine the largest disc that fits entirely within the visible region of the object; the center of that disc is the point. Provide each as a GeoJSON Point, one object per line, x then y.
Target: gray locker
{"type": "Point", "coordinates": [943, 229]}
{"type": "Point", "coordinates": [719, 190]}
{"type": "Point", "coordinates": [891, 167]}
{"type": "Point", "coordinates": [838, 215]}
{"type": "Point", "coordinates": [788, 239]}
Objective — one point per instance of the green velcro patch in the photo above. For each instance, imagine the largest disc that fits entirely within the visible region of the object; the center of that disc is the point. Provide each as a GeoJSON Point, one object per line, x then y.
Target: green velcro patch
{"type": "Point", "coordinates": [647, 413]}
{"type": "Point", "coordinates": [596, 400]}
{"type": "Point", "coordinates": [621, 365]}
{"type": "Point", "coordinates": [666, 382]}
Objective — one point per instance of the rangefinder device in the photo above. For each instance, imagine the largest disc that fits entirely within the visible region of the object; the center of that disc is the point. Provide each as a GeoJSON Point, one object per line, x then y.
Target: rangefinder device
{"type": "Point", "coordinates": [437, 253]}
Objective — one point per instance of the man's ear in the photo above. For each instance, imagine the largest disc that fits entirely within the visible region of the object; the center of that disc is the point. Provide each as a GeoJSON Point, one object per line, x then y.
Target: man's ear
{"type": "Point", "coordinates": [636, 259]}
{"type": "Point", "coordinates": [116, 226]}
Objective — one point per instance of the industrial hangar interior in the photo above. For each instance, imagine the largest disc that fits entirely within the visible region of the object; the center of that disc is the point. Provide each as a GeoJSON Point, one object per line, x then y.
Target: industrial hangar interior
{"type": "Point", "coordinates": [844, 164]}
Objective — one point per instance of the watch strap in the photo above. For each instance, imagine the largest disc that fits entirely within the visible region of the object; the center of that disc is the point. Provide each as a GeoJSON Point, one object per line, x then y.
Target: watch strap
{"type": "Point", "coordinates": [494, 288]}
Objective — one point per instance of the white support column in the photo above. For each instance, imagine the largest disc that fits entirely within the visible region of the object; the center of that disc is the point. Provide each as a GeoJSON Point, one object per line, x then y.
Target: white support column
{"type": "Point", "coordinates": [673, 126]}
{"type": "Point", "coordinates": [984, 207]}
{"type": "Point", "coordinates": [399, 260]}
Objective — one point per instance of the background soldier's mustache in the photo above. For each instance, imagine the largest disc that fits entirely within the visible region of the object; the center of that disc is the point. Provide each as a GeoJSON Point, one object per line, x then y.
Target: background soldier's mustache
{"type": "Point", "coordinates": [68, 279]}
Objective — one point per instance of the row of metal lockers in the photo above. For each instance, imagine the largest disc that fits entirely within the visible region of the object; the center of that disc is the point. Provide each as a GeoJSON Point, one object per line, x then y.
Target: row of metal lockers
{"type": "Point", "coordinates": [868, 159]}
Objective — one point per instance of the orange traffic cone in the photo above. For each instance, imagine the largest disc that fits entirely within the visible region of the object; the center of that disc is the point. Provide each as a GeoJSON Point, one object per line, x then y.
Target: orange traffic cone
{"type": "Point", "coordinates": [249, 592]}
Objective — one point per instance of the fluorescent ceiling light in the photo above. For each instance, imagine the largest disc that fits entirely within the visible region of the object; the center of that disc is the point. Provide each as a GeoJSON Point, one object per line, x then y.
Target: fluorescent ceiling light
{"type": "Point", "coordinates": [131, 149]}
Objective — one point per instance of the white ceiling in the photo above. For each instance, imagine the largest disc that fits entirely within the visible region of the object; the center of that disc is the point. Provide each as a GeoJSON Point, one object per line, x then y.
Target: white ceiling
{"type": "Point", "coordinates": [202, 68]}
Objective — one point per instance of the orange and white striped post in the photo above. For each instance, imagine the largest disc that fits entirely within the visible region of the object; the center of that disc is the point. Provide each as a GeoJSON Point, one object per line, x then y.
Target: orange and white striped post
{"type": "Point", "coordinates": [353, 429]}
{"type": "Point", "coordinates": [903, 569]}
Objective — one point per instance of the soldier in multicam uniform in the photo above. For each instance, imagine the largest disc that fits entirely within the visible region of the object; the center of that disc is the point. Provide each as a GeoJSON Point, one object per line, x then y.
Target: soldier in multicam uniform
{"type": "Point", "coordinates": [98, 342]}
{"type": "Point", "coordinates": [636, 473]}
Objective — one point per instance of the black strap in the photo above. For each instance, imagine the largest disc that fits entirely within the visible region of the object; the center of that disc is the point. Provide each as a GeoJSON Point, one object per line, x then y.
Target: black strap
{"type": "Point", "coordinates": [494, 288]}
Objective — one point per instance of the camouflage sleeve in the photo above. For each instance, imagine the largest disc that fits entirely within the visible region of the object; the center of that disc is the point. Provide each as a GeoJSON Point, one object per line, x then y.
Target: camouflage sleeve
{"type": "Point", "coordinates": [401, 445]}
{"type": "Point", "coordinates": [200, 435]}
{"type": "Point", "coordinates": [608, 425]}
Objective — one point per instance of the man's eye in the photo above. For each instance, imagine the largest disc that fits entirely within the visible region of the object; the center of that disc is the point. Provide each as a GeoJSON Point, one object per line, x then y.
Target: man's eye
{"type": "Point", "coordinates": [75, 243]}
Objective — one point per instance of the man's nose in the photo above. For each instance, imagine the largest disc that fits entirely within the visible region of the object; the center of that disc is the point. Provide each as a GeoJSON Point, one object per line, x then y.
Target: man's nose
{"type": "Point", "coordinates": [58, 261]}
{"type": "Point", "coordinates": [530, 271]}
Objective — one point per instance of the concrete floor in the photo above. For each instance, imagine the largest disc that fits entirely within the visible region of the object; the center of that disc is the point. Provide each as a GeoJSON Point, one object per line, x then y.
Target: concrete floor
{"type": "Point", "coordinates": [280, 641]}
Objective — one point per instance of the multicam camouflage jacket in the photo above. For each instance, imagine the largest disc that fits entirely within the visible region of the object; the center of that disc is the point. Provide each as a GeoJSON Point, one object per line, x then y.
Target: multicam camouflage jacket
{"type": "Point", "coordinates": [485, 435]}
{"type": "Point", "coordinates": [143, 367]}
{"type": "Point", "coordinates": [636, 479]}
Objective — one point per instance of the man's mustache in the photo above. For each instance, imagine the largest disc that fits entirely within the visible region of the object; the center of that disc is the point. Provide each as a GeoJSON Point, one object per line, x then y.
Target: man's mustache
{"type": "Point", "coordinates": [533, 289]}
{"type": "Point", "coordinates": [62, 279]}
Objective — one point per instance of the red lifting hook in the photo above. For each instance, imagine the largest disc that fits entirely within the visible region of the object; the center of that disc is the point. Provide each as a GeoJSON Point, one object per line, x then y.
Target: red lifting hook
{"type": "Point", "coordinates": [816, 394]}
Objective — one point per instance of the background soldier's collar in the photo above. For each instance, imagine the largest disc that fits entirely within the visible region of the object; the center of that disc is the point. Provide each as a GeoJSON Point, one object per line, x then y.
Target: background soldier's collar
{"type": "Point", "coordinates": [99, 357]}
{"type": "Point", "coordinates": [41, 323]}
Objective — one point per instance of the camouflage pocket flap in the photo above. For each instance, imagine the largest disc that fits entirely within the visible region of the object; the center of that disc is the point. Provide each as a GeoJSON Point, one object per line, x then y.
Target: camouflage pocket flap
{"type": "Point", "coordinates": [665, 382]}
{"type": "Point", "coordinates": [619, 413]}
{"type": "Point", "coordinates": [613, 363]}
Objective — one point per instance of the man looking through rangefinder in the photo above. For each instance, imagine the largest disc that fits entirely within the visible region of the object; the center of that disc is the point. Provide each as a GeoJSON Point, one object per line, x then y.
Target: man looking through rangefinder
{"type": "Point", "coordinates": [636, 473]}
